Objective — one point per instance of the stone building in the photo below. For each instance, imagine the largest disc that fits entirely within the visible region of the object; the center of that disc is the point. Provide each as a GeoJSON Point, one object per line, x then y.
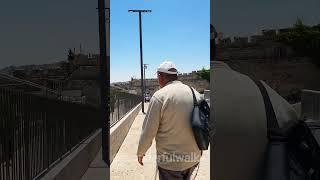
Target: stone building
{"type": "Point", "coordinates": [85, 60]}
{"type": "Point", "coordinates": [240, 41]}
{"type": "Point", "coordinates": [269, 32]}
{"type": "Point", "coordinates": [225, 42]}
{"type": "Point", "coordinates": [259, 47]}
{"type": "Point", "coordinates": [76, 78]}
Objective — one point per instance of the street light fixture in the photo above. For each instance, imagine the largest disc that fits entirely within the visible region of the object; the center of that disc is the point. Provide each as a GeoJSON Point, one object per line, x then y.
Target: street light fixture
{"type": "Point", "coordinates": [139, 11]}
{"type": "Point", "coordinates": [141, 56]}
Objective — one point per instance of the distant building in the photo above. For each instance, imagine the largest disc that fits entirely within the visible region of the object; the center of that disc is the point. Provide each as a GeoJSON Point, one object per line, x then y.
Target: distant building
{"type": "Point", "coordinates": [284, 30]}
{"type": "Point", "coordinates": [256, 39]}
{"type": "Point", "coordinates": [132, 92]}
{"type": "Point", "coordinates": [269, 32]}
{"type": "Point", "coordinates": [77, 74]}
{"type": "Point", "coordinates": [225, 42]}
{"type": "Point", "coordinates": [85, 60]}
{"type": "Point", "coordinates": [241, 41]}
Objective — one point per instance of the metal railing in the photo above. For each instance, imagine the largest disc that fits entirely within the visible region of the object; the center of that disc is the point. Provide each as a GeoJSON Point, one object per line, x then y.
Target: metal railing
{"type": "Point", "coordinates": [36, 132]}
{"type": "Point", "coordinates": [29, 83]}
{"type": "Point", "coordinates": [120, 104]}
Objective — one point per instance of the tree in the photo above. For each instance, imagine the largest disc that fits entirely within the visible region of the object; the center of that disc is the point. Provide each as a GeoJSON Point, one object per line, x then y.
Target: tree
{"type": "Point", "coordinates": [70, 55]}
{"type": "Point", "coordinates": [303, 39]}
{"type": "Point", "coordinates": [204, 74]}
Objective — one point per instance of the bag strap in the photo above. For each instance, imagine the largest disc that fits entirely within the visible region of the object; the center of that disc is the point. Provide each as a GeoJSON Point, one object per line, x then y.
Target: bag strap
{"type": "Point", "coordinates": [195, 102]}
{"type": "Point", "coordinates": [272, 122]}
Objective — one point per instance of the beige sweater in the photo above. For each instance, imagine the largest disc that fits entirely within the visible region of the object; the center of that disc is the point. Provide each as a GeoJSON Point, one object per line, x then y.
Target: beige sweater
{"type": "Point", "coordinates": [168, 121]}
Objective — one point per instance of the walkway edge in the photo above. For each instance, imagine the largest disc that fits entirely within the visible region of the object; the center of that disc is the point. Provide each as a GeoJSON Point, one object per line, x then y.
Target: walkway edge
{"type": "Point", "coordinates": [120, 130]}
{"type": "Point", "coordinates": [76, 164]}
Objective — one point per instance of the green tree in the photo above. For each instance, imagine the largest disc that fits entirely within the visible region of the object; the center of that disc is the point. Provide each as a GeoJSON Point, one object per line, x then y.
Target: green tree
{"type": "Point", "coordinates": [303, 39]}
{"type": "Point", "coordinates": [70, 55]}
{"type": "Point", "coordinates": [204, 74]}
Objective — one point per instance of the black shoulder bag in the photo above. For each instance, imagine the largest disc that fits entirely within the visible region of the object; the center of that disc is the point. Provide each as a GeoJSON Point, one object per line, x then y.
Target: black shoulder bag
{"type": "Point", "coordinates": [199, 122]}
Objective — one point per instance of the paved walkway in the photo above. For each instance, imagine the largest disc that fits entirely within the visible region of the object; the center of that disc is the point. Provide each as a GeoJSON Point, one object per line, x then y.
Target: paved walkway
{"type": "Point", "coordinates": [126, 167]}
{"type": "Point", "coordinates": [98, 170]}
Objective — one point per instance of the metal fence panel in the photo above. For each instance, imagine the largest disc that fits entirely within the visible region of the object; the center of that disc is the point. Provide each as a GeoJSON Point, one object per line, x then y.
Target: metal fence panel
{"type": "Point", "coordinates": [120, 104]}
{"type": "Point", "coordinates": [36, 132]}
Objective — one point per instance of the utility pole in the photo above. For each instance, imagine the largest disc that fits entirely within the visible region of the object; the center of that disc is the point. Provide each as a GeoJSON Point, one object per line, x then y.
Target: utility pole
{"type": "Point", "coordinates": [145, 83]}
{"type": "Point", "coordinates": [104, 63]}
{"type": "Point", "coordinates": [141, 58]}
{"type": "Point", "coordinates": [214, 33]}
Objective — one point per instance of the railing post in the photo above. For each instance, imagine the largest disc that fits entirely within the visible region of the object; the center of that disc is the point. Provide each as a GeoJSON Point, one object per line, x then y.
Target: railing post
{"type": "Point", "coordinates": [118, 109]}
{"type": "Point", "coordinates": [26, 138]}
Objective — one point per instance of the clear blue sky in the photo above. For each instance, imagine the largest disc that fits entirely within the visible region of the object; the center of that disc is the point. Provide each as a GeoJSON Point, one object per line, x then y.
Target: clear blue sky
{"type": "Point", "coordinates": [176, 30]}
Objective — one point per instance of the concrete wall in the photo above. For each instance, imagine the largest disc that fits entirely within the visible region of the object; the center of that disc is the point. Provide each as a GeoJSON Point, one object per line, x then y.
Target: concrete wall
{"type": "Point", "coordinates": [286, 77]}
{"type": "Point", "coordinates": [76, 164]}
{"type": "Point", "coordinates": [119, 131]}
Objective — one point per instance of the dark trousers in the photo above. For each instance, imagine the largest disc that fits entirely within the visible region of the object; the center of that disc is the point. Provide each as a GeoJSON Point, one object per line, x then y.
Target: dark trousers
{"type": "Point", "coordinates": [165, 174]}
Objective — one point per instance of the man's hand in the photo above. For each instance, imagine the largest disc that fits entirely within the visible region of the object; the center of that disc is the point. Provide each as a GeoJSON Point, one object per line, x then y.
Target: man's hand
{"type": "Point", "coordinates": [140, 159]}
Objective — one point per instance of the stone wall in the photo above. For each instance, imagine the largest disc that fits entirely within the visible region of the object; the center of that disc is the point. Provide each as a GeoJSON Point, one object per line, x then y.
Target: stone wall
{"type": "Point", "coordinates": [272, 52]}
{"type": "Point", "coordinates": [287, 77]}
{"type": "Point", "coordinates": [152, 85]}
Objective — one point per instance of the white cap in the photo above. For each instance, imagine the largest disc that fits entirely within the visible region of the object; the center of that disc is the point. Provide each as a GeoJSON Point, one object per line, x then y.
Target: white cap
{"type": "Point", "coordinates": [167, 67]}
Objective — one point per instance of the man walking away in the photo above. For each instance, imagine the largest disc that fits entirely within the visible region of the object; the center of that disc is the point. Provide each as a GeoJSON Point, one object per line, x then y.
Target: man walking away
{"type": "Point", "coordinates": [168, 120]}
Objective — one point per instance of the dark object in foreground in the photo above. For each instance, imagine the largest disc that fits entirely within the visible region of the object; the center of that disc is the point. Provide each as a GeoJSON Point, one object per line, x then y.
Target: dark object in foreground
{"type": "Point", "coordinates": [293, 151]}
{"type": "Point", "coordinates": [168, 174]}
